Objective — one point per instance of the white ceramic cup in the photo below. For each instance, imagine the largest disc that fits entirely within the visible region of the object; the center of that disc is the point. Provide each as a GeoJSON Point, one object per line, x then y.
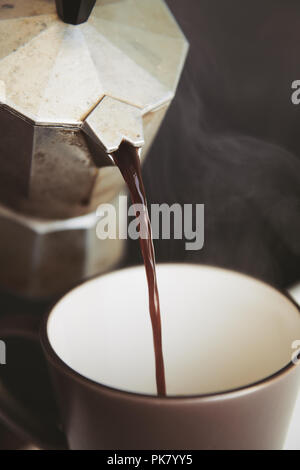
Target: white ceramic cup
{"type": "Point", "coordinates": [228, 347]}
{"type": "Point", "coordinates": [221, 330]}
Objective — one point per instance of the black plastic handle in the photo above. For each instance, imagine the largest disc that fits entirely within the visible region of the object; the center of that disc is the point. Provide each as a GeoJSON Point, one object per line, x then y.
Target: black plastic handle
{"type": "Point", "coordinates": [74, 11]}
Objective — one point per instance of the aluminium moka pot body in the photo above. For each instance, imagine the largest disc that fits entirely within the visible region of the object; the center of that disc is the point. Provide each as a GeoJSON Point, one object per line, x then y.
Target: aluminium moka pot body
{"type": "Point", "coordinates": [69, 95]}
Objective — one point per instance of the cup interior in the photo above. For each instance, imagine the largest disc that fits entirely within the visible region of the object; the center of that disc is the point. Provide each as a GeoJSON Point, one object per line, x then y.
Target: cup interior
{"type": "Point", "coordinates": [221, 330]}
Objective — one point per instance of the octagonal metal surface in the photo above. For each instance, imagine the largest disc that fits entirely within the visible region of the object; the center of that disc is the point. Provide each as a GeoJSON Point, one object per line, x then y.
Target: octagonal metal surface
{"type": "Point", "coordinates": [56, 73]}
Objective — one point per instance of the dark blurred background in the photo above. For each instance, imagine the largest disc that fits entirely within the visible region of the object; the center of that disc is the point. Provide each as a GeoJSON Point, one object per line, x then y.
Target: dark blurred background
{"type": "Point", "coordinates": [231, 140]}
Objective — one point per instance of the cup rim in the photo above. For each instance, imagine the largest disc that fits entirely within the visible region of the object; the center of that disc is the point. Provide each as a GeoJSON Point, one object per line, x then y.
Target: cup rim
{"type": "Point", "coordinates": [64, 368]}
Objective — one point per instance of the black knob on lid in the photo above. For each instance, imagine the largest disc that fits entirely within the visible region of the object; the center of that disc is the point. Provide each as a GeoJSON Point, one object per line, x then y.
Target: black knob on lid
{"type": "Point", "coordinates": [74, 11]}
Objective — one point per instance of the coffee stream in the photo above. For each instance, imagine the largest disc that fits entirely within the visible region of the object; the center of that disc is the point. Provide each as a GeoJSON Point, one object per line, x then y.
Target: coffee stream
{"type": "Point", "coordinates": [128, 162]}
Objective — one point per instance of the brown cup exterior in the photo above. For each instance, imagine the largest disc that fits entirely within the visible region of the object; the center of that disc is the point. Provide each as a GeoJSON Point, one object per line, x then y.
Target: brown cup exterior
{"type": "Point", "coordinates": [98, 417]}
{"type": "Point", "coordinates": [94, 416]}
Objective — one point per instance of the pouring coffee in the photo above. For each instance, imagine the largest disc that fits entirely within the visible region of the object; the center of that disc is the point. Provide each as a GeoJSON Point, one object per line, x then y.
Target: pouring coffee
{"type": "Point", "coordinates": [127, 160]}
{"type": "Point", "coordinates": [196, 395]}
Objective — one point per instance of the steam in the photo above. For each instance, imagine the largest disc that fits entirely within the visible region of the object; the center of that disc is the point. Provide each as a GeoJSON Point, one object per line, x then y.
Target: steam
{"type": "Point", "coordinates": [231, 138]}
